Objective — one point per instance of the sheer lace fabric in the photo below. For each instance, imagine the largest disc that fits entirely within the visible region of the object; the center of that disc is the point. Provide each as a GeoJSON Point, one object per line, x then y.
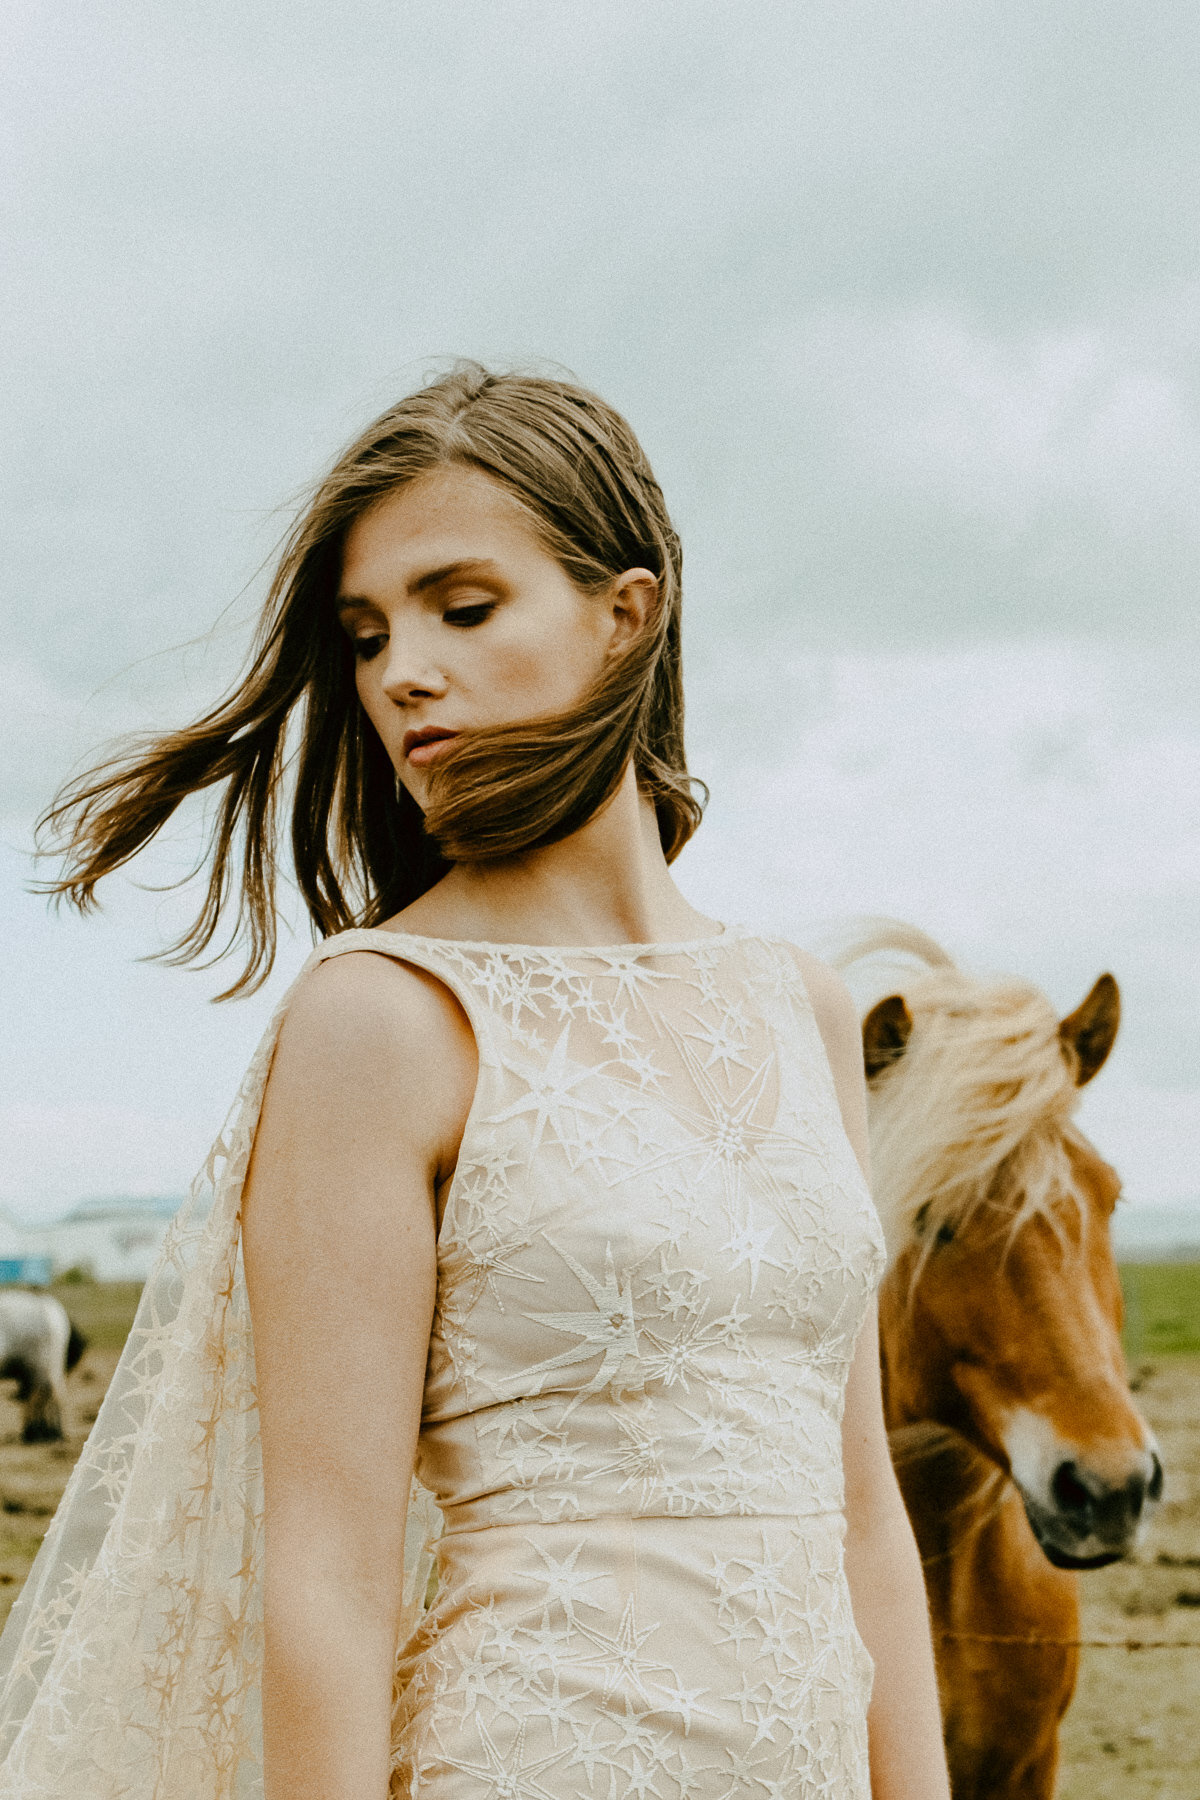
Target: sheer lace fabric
{"type": "Point", "coordinates": [654, 1261]}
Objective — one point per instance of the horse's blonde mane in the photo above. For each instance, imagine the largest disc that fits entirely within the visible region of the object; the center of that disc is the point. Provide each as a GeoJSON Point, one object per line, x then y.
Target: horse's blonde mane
{"type": "Point", "coordinates": [978, 1107]}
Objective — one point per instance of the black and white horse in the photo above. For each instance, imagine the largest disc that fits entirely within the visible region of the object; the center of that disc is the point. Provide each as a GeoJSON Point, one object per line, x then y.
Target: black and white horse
{"type": "Point", "coordinates": [38, 1345]}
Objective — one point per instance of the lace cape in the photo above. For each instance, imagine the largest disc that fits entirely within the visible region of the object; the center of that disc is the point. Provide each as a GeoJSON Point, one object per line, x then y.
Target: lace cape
{"type": "Point", "coordinates": [130, 1664]}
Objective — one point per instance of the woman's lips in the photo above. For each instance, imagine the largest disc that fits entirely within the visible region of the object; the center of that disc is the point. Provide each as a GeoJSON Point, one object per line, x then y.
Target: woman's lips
{"type": "Point", "coordinates": [428, 749]}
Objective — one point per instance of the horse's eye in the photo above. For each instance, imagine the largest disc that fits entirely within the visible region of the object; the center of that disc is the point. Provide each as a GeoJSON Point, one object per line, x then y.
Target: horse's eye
{"type": "Point", "coordinates": [945, 1234]}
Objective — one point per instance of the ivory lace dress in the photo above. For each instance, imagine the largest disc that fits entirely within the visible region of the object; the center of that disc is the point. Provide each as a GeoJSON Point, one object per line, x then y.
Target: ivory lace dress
{"type": "Point", "coordinates": [655, 1257]}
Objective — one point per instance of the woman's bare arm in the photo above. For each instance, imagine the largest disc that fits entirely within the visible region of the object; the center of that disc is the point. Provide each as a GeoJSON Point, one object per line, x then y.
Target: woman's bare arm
{"type": "Point", "coordinates": [887, 1590]}
{"type": "Point", "coordinates": [883, 1568]}
{"type": "Point", "coordinates": [363, 1113]}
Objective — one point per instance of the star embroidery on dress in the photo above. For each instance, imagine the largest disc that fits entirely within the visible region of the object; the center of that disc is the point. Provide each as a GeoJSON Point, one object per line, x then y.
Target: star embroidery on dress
{"type": "Point", "coordinates": [762, 1581]}
{"type": "Point", "coordinates": [634, 1730]}
{"type": "Point", "coordinates": [685, 1703]}
{"type": "Point", "coordinates": [678, 1359]}
{"type": "Point", "coordinates": [632, 980]}
{"type": "Point", "coordinates": [725, 1043]}
{"type": "Point", "coordinates": [588, 1753]}
{"type": "Point", "coordinates": [619, 1655]}
{"type": "Point", "coordinates": [742, 1772]}
{"type": "Point", "coordinates": [675, 1215]}
{"type": "Point", "coordinates": [676, 1291]}
{"type": "Point", "coordinates": [747, 1244]}
{"type": "Point", "coordinates": [476, 1671]}
{"type": "Point", "coordinates": [552, 1708]}
{"type": "Point", "coordinates": [468, 1272]}
{"type": "Point", "coordinates": [720, 1433]}
{"type": "Point", "coordinates": [689, 1781]}
{"type": "Point", "coordinates": [619, 1032]}
{"type": "Point", "coordinates": [523, 997]}
{"type": "Point", "coordinates": [776, 1787]}
{"type": "Point", "coordinates": [564, 1583]}
{"type": "Point", "coordinates": [497, 1637]}
{"type": "Point", "coordinates": [563, 1002]}
{"type": "Point", "coordinates": [723, 1132]}
{"type": "Point", "coordinates": [639, 1779]}
{"type": "Point", "coordinates": [779, 1642]}
{"type": "Point", "coordinates": [508, 1777]}
{"type": "Point", "coordinates": [738, 1632]}
{"type": "Point", "coordinates": [643, 1069]}
{"type": "Point", "coordinates": [489, 1168]}
{"type": "Point", "coordinates": [551, 1094]}
{"type": "Point", "coordinates": [608, 1331]}
{"type": "Point", "coordinates": [641, 1458]}
{"type": "Point", "coordinates": [494, 977]}
{"type": "Point", "coordinates": [631, 1108]}
{"type": "Point", "coordinates": [761, 1711]}
{"type": "Point", "coordinates": [543, 1642]}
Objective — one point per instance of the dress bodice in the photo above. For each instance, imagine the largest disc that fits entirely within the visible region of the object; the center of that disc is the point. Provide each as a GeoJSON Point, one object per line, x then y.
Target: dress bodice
{"type": "Point", "coordinates": [654, 1259]}
{"type": "Point", "coordinates": [657, 1248]}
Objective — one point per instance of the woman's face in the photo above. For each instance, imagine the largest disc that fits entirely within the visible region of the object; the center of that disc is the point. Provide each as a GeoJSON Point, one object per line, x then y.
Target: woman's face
{"type": "Point", "coordinates": [460, 619]}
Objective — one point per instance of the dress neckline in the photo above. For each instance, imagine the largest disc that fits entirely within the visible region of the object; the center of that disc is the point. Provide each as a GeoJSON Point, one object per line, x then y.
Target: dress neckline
{"type": "Point", "coordinates": [604, 951]}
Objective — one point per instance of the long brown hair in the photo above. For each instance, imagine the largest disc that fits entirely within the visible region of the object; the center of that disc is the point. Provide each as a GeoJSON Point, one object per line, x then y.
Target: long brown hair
{"type": "Point", "coordinates": [361, 848]}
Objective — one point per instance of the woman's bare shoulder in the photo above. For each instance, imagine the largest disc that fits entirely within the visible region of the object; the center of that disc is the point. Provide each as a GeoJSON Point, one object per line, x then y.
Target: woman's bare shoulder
{"type": "Point", "coordinates": [837, 1021]}
{"type": "Point", "coordinates": [366, 1026]}
{"type": "Point", "coordinates": [832, 1003]}
{"type": "Point", "coordinates": [365, 993]}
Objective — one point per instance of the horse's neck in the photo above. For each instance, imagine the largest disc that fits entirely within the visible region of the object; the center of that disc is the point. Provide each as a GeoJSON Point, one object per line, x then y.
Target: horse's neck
{"type": "Point", "coordinates": [951, 1489]}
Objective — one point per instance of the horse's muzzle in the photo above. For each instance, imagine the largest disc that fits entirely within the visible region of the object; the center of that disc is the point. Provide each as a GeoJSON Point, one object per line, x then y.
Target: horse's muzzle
{"type": "Point", "coordinates": [1091, 1520]}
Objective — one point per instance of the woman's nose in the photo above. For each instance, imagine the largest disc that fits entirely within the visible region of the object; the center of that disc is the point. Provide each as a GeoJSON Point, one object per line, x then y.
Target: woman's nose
{"type": "Point", "coordinates": [409, 675]}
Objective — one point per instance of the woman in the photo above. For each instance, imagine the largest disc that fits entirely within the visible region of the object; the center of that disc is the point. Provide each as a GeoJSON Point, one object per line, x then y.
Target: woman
{"type": "Point", "coordinates": [552, 1196]}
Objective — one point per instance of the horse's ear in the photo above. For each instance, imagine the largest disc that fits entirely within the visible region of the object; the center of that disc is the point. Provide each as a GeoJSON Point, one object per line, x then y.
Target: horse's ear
{"type": "Point", "coordinates": [885, 1032]}
{"type": "Point", "coordinates": [1087, 1034]}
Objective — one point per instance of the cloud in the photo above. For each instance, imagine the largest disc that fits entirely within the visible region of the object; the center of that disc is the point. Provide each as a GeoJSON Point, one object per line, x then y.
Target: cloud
{"type": "Point", "coordinates": [1150, 1136]}
{"type": "Point", "coordinates": [1036, 807]}
{"type": "Point", "coordinates": [902, 301]}
{"type": "Point", "coordinates": [57, 1155]}
{"type": "Point", "coordinates": [40, 719]}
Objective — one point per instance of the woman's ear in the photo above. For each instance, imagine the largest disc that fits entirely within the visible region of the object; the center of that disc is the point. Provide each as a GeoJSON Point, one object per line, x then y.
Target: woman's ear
{"type": "Point", "coordinates": [632, 598]}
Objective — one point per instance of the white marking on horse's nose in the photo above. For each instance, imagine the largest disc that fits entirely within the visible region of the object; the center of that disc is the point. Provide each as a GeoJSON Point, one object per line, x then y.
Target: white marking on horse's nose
{"type": "Point", "coordinates": [1035, 1451]}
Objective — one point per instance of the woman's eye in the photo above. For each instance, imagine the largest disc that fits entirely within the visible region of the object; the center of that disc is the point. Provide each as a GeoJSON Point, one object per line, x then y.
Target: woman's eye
{"type": "Point", "coordinates": [469, 615]}
{"type": "Point", "coordinates": [367, 647]}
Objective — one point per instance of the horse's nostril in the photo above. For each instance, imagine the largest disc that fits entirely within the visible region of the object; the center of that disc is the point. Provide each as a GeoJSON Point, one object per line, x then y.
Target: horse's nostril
{"type": "Point", "coordinates": [1154, 1486]}
{"type": "Point", "coordinates": [1093, 1504]}
{"type": "Point", "coordinates": [1069, 1492]}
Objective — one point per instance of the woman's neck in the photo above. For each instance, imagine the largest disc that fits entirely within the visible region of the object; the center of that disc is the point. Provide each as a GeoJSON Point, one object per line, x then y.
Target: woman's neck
{"type": "Point", "coordinates": [608, 883]}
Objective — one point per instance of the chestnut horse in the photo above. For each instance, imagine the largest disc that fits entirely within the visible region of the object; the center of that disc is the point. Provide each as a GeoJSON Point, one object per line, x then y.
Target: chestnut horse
{"type": "Point", "coordinates": [1019, 1449]}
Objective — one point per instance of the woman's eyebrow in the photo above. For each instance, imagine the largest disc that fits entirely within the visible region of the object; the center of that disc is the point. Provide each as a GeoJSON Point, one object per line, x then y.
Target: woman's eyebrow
{"type": "Point", "coordinates": [471, 565]}
{"type": "Point", "coordinates": [478, 567]}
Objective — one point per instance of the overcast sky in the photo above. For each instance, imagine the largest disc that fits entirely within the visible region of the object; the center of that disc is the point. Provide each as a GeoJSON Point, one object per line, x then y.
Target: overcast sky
{"type": "Point", "coordinates": [903, 303]}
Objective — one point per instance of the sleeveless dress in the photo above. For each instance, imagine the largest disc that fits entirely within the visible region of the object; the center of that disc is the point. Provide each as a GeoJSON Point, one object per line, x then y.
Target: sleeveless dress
{"type": "Point", "coordinates": [654, 1260]}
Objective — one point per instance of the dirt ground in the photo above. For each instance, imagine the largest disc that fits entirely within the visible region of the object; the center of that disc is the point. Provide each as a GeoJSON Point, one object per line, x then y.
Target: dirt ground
{"type": "Point", "coordinates": [1134, 1727]}
{"type": "Point", "coordinates": [33, 1476]}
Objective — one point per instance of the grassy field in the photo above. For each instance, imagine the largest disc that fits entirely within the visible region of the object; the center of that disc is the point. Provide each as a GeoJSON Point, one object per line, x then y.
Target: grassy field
{"type": "Point", "coordinates": [1131, 1728]}
{"type": "Point", "coordinates": [103, 1310]}
{"type": "Point", "coordinates": [1162, 1309]}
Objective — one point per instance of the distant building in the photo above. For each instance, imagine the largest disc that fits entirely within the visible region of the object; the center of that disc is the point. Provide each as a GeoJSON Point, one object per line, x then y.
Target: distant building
{"type": "Point", "coordinates": [18, 1262]}
{"type": "Point", "coordinates": [115, 1239]}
